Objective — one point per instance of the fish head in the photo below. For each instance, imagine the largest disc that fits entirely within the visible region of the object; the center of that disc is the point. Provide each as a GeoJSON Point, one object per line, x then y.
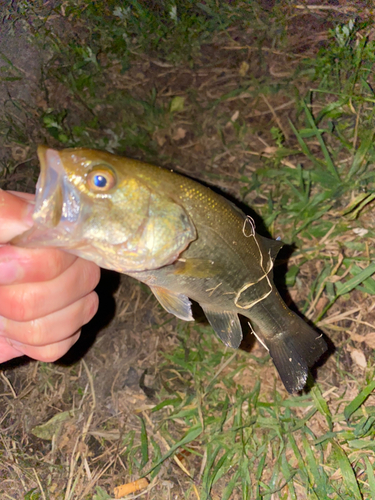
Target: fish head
{"type": "Point", "coordinates": [96, 205]}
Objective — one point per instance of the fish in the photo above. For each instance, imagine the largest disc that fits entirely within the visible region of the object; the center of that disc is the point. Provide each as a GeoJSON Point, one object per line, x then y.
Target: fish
{"type": "Point", "coordinates": [177, 236]}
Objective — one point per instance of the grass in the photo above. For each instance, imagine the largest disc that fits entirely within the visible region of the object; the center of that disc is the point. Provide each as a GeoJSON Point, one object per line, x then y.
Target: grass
{"type": "Point", "coordinates": [230, 94]}
{"type": "Point", "coordinates": [266, 445]}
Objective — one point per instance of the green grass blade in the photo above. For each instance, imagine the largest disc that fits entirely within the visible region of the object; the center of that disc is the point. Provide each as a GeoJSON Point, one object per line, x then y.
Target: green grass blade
{"type": "Point", "coordinates": [370, 476]}
{"type": "Point", "coordinates": [288, 474]}
{"type": "Point", "coordinates": [220, 468]}
{"type": "Point", "coordinates": [348, 286]}
{"type": "Point", "coordinates": [259, 473]}
{"type": "Point", "coordinates": [208, 477]}
{"type": "Point", "coordinates": [360, 444]}
{"type": "Point", "coordinates": [144, 443]}
{"type": "Point", "coordinates": [304, 147]}
{"type": "Point", "coordinates": [325, 437]}
{"type": "Point", "coordinates": [228, 492]}
{"type": "Point", "coordinates": [359, 400]}
{"type": "Point", "coordinates": [245, 477]}
{"type": "Point", "coordinates": [156, 457]}
{"type": "Point", "coordinates": [301, 464]}
{"type": "Point", "coordinates": [348, 476]}
{"type": "Point", "coordinates": [361, 154]}
{"type": "Point", "coordinates": [330, 165]}
{"type": "Point", "coordinates": [192, 434]}
{"type": "Point", "coordinates": [367, 198]}
{"type": "Point", "coordinates": [321, 405]}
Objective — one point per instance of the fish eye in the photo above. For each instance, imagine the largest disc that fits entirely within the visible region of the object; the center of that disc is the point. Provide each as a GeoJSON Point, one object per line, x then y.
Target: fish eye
{"type": "Point", "coordinates": [101, 180]}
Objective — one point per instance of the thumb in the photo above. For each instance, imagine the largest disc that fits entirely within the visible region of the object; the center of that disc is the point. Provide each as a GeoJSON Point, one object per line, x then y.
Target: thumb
{"type": "Point", "coordinates": [15, 214]}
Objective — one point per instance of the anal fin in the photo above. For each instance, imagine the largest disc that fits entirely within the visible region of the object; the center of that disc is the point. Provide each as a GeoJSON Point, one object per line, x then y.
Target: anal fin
{"type": "Point", "coordinates": [226, 324]}
{"type": "Point", "coordinates": [175, 303]}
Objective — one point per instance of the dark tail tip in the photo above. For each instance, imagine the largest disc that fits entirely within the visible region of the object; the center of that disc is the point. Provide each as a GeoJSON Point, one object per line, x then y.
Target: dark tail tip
{"type": "Point", "coordinates": [294, 352]}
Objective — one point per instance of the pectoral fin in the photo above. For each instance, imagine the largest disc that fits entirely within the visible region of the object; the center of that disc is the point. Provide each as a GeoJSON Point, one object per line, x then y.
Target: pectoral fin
{"type": "Point", "coordinates": [226, 324]}
{"type": "Point", "coordinates": [175, 303]}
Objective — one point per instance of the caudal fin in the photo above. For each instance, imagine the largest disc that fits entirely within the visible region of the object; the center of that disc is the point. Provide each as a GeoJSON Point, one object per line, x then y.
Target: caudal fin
{"type": "Point", "coordinates": [294, 351]}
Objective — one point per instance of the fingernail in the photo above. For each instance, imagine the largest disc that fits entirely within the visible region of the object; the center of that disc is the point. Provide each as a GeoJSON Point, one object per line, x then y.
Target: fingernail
{"type": "Point", "coordinates": [15, 344]}
{"type": "Point", "coordinates": [28, 214]}
{"type": "Point", "coordinates": [2, 325]}
{"type": "Point", "coordinates": [10, 272]}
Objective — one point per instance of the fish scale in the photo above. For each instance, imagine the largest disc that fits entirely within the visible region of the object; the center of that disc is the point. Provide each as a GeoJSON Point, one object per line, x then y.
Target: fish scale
{"type": "Point", "coordinates": [180, 238]}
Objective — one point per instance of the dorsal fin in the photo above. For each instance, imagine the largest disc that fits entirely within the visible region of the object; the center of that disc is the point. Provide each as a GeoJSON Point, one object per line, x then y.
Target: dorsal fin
{"type": "Point", "coordinates": [273, 246]}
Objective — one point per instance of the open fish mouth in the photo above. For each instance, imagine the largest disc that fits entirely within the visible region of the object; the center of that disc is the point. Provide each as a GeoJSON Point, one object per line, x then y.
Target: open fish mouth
{"type": "Point", "coordinates": [57, 210]}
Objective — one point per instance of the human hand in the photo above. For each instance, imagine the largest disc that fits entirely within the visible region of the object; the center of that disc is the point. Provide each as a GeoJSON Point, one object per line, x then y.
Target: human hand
{"type": "Point", "coordinates": [46, 295]}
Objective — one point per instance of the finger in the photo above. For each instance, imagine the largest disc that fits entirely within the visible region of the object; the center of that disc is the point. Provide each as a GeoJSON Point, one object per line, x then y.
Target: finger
{"type": "Point", "coordinates": [7, 351]}
{"type": "Point", "coordinates": [30, 301]}
{"type": "Point", "coordinates": [31, 265]}
{"type": "Point", "coordinates": [52, 328]}
{"type": "Point", "coordinates": [48, 353]}
{"type": "Point", "coordinates": [15, 216]}
{"type": "Point", "coordinates": [25, 196]}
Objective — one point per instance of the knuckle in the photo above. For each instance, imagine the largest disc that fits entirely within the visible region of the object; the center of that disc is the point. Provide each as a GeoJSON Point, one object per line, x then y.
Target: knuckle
{"type": "Point", "coordinates": [16, 303]}
{"type": "Point", "coordinates": [55, 263]}
{"type": "Point", "coordinates": [35, 334]}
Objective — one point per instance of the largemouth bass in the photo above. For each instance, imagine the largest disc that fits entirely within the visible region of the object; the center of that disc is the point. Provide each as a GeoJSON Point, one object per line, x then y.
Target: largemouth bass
{"type": "Point", "coordinates": [180, 238]}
